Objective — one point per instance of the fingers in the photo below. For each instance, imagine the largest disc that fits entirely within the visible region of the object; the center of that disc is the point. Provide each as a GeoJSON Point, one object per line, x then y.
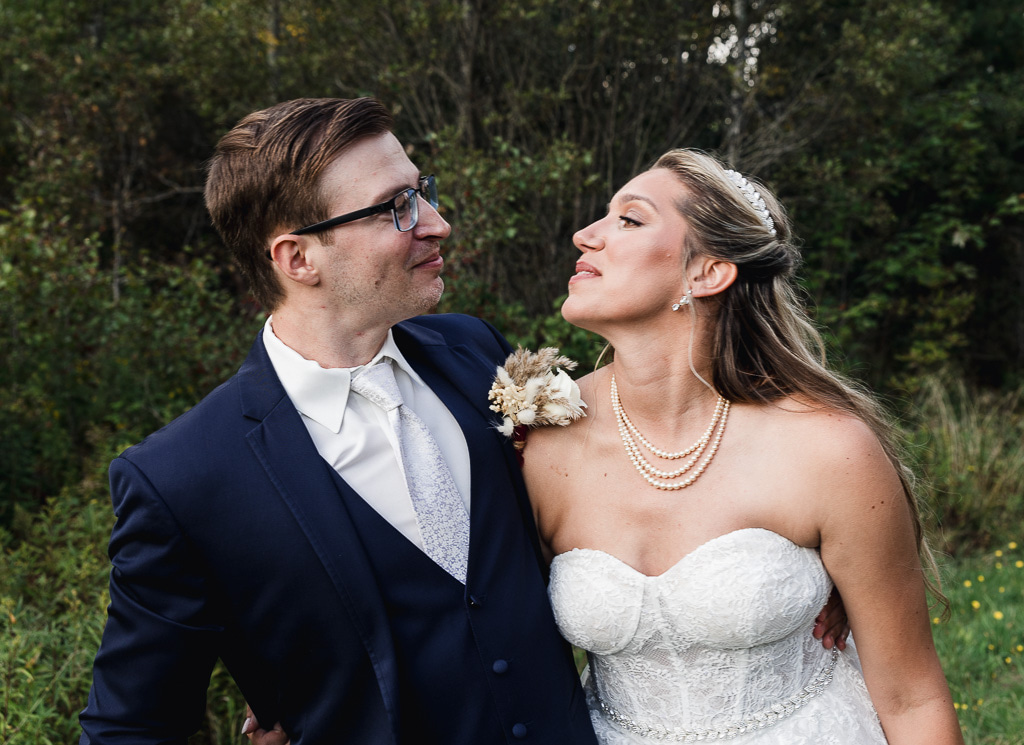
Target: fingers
{"type": "Point", "coordinates": [250, 724]}
{"type": "Point", "coordinates": [275, 736]}
{"type": "Point", "coordinates": [831, 626]}
{"type": "Point", "coordinates": [258, 736]}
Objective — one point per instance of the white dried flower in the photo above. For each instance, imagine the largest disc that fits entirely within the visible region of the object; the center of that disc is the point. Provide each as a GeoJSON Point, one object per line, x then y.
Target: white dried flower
{"type": "Point", "coordinates": [532, 389]}
{"type": "Point", "coordinates": [527, 416]}
{"type": "Point", "coordinates": [564, 387]}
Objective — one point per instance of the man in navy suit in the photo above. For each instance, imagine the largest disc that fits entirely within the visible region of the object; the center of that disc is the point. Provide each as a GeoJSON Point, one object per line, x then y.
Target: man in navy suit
{"type": "Point", "coordinates": [271, 526]}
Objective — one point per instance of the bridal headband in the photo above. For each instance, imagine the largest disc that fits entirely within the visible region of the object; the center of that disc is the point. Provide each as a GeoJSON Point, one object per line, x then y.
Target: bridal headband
{"type": "Point", "coordinates": [751, 195]}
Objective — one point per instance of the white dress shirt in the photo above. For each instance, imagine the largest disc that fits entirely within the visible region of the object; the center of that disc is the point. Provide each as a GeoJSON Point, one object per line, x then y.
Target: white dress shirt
{"type": "Point", "coordinates": [353, 435]}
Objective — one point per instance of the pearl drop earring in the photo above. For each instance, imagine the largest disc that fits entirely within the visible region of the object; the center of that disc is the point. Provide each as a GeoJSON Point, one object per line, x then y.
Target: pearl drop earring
{"type": "Point", "coordinates": [684, 300]}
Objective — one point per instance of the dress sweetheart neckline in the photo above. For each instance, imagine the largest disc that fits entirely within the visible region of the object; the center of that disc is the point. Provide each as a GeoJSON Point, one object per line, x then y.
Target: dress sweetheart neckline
{"type": "Point", "coordinates": [685, 557]}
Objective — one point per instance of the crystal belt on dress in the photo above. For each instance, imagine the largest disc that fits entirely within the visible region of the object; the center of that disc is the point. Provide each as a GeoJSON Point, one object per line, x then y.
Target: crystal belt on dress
{"type": "Point", "coordinates": [766, 718]}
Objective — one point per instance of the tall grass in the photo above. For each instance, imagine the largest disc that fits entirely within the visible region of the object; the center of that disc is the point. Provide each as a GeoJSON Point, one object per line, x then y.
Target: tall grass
{"type": "Point", "coordinates": [969, 448]}
{"type": "Point", "coordinates": [981, 644]}
{"type": "Point", "coordinates": [52, 605]}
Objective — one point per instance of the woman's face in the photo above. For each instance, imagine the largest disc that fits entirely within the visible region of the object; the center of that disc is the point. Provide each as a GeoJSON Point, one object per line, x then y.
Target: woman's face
{"type": "Point", "coordinates": [631, 267]}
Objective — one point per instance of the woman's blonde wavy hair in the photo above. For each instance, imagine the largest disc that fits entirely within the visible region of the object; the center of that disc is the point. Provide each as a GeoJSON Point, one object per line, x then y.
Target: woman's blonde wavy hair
{"type": "Point", "coordinates": [765, 347]}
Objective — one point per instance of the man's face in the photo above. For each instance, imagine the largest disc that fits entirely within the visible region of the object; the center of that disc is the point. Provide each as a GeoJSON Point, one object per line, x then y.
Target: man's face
{"type": "Point", "coordinates": [372, 273]}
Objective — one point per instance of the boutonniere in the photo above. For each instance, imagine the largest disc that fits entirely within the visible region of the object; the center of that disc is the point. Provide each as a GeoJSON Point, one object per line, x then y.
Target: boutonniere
{"type": "Point", "coordinates": [532, 389]}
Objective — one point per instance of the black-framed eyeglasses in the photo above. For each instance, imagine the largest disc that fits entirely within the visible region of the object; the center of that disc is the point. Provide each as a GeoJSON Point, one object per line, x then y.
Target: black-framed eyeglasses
{"type": "Point", "coordinates": [404, 207]}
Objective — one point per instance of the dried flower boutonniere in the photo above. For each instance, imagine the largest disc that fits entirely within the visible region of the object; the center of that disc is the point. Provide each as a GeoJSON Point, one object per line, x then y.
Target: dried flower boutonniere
{"type": "Point", "coordinates": [532, 389]}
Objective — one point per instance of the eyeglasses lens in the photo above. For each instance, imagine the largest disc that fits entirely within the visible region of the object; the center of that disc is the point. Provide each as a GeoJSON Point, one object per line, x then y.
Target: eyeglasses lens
{"type": "Point", "coordinates": [406, 211]}
{"type": "Point", "coordinates": [428, 190]}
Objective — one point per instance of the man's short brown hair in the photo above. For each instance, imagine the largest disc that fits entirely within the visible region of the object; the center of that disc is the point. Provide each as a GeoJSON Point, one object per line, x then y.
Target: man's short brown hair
{"type": "Point", "coordinates": [264, 177]}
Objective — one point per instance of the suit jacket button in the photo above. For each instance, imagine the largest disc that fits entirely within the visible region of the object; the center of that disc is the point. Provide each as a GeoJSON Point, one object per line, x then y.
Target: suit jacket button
{"type": "Point", "coordinates": [500, 667]}
{"type": "Point", "coordinates": [519, 731]}
{"type": "Point", "coordinates": [474, 602]}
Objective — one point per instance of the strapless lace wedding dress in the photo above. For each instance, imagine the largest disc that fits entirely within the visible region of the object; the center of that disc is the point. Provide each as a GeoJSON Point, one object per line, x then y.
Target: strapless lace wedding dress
{"type": "Point", "coordinates": [719, 647]}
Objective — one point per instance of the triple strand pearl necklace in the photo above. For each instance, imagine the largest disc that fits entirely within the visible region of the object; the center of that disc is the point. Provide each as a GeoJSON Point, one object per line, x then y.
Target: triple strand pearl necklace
{"type": "Point", "coordinates": [706, 445]}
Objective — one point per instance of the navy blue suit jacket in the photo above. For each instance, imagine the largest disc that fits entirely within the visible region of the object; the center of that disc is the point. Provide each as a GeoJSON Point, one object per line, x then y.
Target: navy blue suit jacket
{"type": "Point", "coordinates": [231, 542]}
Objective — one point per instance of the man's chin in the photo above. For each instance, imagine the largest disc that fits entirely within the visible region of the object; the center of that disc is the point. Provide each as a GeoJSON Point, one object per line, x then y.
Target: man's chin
{"type": "Point", "coordinates": [432, 308]}
{"type": "Point", "coordinates": [431, 298]}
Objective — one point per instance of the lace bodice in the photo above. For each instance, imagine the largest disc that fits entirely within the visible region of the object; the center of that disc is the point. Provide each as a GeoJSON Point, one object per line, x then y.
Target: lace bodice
{"type": "Point", "coordinates": [721, 639]}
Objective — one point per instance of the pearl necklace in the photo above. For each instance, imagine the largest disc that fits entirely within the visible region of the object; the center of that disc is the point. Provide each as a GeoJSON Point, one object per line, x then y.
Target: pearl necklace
{"type": "Point", "coordinates": [705, 445]}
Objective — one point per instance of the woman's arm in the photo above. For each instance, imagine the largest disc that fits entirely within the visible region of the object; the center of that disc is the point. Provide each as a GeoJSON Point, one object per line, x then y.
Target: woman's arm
{"type": "Point", "coordinates": [869, 549]}
{"type": "Point", "coordinates": [536, 459]}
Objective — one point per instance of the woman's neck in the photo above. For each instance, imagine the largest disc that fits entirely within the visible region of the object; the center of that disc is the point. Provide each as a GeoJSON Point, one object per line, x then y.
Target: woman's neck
{"type": "Point", "coordinates": [658, 385]}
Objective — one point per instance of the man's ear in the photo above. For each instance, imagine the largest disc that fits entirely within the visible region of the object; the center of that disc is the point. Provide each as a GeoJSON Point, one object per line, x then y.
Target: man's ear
{"type": "Point", "coordinates": [711, 276]}
{"type": "Point", "coordinates": [289, 254]}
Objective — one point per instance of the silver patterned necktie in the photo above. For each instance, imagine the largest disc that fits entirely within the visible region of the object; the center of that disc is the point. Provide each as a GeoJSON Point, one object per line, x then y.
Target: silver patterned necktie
{"type": "Point", "coordinates": [440, 512]}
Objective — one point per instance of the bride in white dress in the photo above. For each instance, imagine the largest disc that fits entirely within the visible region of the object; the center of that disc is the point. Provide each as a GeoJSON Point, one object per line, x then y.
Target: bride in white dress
{"type": "Point", "coordinates": [722, 480]}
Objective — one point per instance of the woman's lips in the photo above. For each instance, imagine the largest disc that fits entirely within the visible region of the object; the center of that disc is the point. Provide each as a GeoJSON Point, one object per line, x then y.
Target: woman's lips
{"type": "Point", "coordinates": [584, 271]}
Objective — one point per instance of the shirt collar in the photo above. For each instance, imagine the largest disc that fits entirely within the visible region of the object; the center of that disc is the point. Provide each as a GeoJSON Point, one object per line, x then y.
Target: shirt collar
{"type": "Point", "coordinates": [321, 393]}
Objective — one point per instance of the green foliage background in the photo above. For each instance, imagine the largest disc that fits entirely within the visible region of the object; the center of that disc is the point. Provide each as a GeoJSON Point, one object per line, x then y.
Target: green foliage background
{"type": "Point", "coordinates": [893, 131]}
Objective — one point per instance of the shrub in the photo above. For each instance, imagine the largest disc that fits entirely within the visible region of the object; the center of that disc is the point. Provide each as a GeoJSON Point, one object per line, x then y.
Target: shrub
{"type": "Point", "coordinates": [92, 351]}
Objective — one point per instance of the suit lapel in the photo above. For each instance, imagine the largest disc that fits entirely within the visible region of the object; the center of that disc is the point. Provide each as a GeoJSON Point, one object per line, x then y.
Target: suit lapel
{"type": "Point", "coordinates": [282, 445]}
{"type": "Point", "coordinates": [460, 377]}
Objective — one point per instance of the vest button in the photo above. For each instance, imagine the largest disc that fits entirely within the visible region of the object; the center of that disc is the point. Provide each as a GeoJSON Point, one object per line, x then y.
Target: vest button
{"type": "Point", "coordinates": [500, 667]}
{"type": "Point", "coordinates": [519, 731]}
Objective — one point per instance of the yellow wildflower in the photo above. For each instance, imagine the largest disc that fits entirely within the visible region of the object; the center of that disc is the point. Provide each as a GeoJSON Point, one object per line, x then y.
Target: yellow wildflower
{"type": "Point", "coordinates": [1012, 545]}
{"type": "Point", "coordinates": [967, 583]}
{"type": "Point", "coordinates": [975, 604]}
{"type": "Point", "coordinates": [998, 615]}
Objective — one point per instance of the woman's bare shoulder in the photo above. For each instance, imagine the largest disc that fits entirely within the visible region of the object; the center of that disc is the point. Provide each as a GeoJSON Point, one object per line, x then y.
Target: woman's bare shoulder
{"type": "Point", "coordinates": [816, 442]}
{"type": "Point", "coordinates": [840, 459]}
{"type": "Point", "coordinates": [817, 427]}
{"type": "Point", "coordinates": [550, 444]}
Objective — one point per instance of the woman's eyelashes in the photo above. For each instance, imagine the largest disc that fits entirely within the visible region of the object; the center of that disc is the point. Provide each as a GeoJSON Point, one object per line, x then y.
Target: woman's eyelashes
{"type": "Point", "coordinates": [629, 222]}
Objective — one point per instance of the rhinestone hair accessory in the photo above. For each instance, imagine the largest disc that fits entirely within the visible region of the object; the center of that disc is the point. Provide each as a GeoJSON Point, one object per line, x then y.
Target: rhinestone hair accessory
{"type": "Point", "coordinates": [751, 195]}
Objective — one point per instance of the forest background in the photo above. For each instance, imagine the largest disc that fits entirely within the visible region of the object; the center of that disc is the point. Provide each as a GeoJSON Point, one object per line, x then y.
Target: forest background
{"type": "Point", "coordinates": [893, 131]}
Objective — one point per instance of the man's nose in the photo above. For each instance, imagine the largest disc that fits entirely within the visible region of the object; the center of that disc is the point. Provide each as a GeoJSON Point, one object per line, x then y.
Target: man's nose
{"type": "Point", "coordinates": [430, 223]}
